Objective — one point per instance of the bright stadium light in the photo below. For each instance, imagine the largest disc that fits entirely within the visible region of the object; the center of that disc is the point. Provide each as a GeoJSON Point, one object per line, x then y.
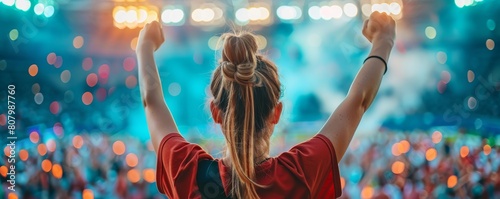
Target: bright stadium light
{"type": "Point", "coordinates": [9, 2]}
{"type": "Point", "coordinates": [38, 9]}
{"type": "Point", "coordinates": [23, 5]}
{"type": "Point", "coordinates": [336, 11]}
{"type": "Point", "coordinates": [395, 8]}
{"type": "Point", "coordinates": [172, 16]}
{"type": "Point", "coordinates": [314, 12]}
{"type": "Point", "coordinates": [289, 12]}
{"type": "Point", "coordinates": [119, 14]}
{"type": "Point", "coordinates": [48, 11]}
{"type": "Point", "coordinates": [326, 12]}
{"type": "Point", "coordinates": [350, 10]}
{"type": "Point", "coordinates": [242, 15]}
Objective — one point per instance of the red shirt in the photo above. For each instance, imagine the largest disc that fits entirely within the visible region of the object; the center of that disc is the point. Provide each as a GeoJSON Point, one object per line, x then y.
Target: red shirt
{"type": "Point", "coordinates": [307, 170]}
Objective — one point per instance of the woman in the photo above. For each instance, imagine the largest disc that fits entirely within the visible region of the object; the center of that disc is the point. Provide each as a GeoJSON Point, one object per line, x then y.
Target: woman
{"type": "Point", "coordinates": [246, 92]}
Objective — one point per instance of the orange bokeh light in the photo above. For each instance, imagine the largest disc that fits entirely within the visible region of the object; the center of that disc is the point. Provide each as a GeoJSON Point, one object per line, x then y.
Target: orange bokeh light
{"type": "Point", "coordinates": [12, 196]}
{"type": "Point", "coordinates": [398, 167]}
{"type": "Point", "coordinates": [46, 165]}
{"type": "Point", "coordinates": [57, 171]}
{"type": "Point", "coordinates": [430, 154]}
{"type": "Point", "coordinates": [3, 171]}
{"type": "Point", "coordinates": [131, 160]}
{"type": "Point", "coordinates": [396, 149]}
{"type": "Point", "coordinates": [33, 70]}
{"type": "Point", "coordinates": [42, 149]}
{"type": "Point", "coordinates": [119, 147]}
{"type": "Point", "coordinates": [367, 192]}
{"type": "Point", "coordinates": [23, 155]}
{"type": "Point", "coordinates": [452, 181]}
{"type": "Point", "coordinates": [149, 175]}
{"type": "Point", "coordinates": [133, 175]}
{"type": "Point", "coordinates": [487, 149]}
{"type": "Point", "coordinates": [88, 194]}
{"type": "Point", "coordinates": [77, 141]}
{"type": "Point", "coordinates": [404, 146]}
{"type": "Point", "coordinates": [464, 151]}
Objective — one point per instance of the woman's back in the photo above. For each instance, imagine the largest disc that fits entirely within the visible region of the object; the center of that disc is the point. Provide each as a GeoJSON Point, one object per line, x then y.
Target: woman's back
{"type": "Point", "coordinates": [307, 170]}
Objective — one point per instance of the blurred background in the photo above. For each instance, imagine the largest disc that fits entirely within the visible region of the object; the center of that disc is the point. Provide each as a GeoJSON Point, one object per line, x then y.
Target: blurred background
{"type": "Point", "coordinates": [432, 132]}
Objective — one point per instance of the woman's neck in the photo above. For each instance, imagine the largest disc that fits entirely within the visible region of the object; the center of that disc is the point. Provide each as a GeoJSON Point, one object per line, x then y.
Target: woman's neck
{"type": "Point", "coordinates": [261, 153]}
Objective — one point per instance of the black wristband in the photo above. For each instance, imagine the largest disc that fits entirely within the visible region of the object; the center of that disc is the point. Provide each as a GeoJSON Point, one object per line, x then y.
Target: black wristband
{"type": "Point", "coordinates": [378, 57]}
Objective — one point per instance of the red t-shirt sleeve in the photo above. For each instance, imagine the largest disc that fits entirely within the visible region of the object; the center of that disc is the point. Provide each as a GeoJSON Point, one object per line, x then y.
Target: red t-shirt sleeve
{"type": "Point", "coordinates": [177, 164]}
{"type": "Point", "coordinates": [314, 162]}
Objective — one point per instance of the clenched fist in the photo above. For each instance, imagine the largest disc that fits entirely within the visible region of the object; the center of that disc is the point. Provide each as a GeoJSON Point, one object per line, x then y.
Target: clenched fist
{"type": "Point", "coordinates": [151, 37]}
{"type": "Point", "coordinates": [379, 26]}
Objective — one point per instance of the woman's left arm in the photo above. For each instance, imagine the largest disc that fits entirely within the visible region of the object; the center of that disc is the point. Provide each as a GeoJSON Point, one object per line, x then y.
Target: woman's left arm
{"type": "Point", "coordinates": [159, 119]}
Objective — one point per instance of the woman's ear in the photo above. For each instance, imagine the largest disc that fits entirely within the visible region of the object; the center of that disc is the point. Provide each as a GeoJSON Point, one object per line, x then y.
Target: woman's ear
{"type": "Point", "coordinates": [277, 113]}
{"type": "Point", "coordinates": [215, 113]}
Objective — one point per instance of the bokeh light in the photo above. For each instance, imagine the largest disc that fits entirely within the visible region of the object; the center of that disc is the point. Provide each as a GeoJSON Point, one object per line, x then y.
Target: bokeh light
{"type": "Point", "coordinates": [350, 10]}
{"type": "Point", "coordinates": [48, 11]}
{"type": "Point", "coordinates": [367, 192]}
{"type": "Point", "coordinates": [46, 165]}
{"type": "Point", "coordinates": [133, 175]}
{"type": "Point", "coordinates": [441, 57]}
{"type": "Point", "coordinates": [3, 170]}
{"type": "Point", "coordinates": [3, 120]}
{"type": "Point", "coordinates": [39, 8]}
{"type": "Point", "coordinates": [404, 146]}
{"type": "Point", "coordinates": [470, 76]}
{"type": "Point", "coordinates": [129, 64]}
{"type": "Point", "coordinates": [131, 81]}
{"type": "Point", "coordinates": [42, 149]}
{"type": "Point", "coordinates": [398, 167]}
{"type": "Point", "coordinates": [87, 98]}
{"type": "Point", "coordinates": [87, 64]}
{"type": "Point", "coordinates": [55, 108]}
{"type": "Point", "coordinates": [149, 175]}
{"type": "Point", "coordinates": [23, 154]}
{"type": "Point", "coordinates": [13, 34]}
{"type": "Point", "coordinates": [486, 149]}
{"type": "Point", "coordinates": [174, 89]}
{"type": "Point", "coordinates": [65, 76]}
{"type": "Point", "coordinates": [57, 171]}
{"type": "Point", "coordinates": [78, 42]}
{"type": "Point", "coordinates": [436, 137]}
{"type": "Point", "coordinates": [58, 129]}
{"type": "Point", "coordinates": [464, 151]}
{"type": "Point", "coordinates": [430, 32]}
{"type": "Point", "coordinates": [34, 137]}
{"type": "Point", "coordinates": [38, 98]}
{"type": "Point", "coordinates": [431, 154]}
{"type": "Point", "coordinates": [77, 141]}
{"type": "Point", "coordinates": [88, 194]}
{"type": "Point", "coordinates": [51, 145]}
{"type": "Point", "coordinates": [396, 149]}
{"type": "Point", "coordinates": [119, 148]}
{"type": "Point", "coordinates": [33, 70]}
{"type": "Point", "coordinates": [452, 181]}
{"type": "Point", "coordinates": [490, 44]}
{"type": "Point", "coordinates": [92, 79]}
{"type": "Point", "coordinates": [133, 43]}
{"type": "Point", "coordinates": [131, 160]}
{"type": "Point", "coordinates": [12, 195]}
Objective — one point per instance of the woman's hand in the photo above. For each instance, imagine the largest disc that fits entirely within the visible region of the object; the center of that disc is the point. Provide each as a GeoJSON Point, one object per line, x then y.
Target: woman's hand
{"type": "Point", "coordinates": [151, 37]}
{"type": "Point", "coordinates": [379, 26]}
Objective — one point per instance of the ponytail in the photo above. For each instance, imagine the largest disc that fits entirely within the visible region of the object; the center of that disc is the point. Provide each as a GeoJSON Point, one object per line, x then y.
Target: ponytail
{"type": "Point", "coordinates": [246, 88]}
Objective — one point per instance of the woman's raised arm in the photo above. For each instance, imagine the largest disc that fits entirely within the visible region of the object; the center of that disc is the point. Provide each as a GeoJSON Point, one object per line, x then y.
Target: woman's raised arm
{"type": "Point", "coordinates": [159, 119]}
{"type": "Point", "coordinates": [379, 29]}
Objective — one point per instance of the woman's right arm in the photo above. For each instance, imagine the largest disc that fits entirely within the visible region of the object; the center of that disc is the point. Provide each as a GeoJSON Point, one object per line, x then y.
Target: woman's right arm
{"type": "Point", "coordinates": [159, 119]}
{"type": "Point", "coordinates": [379, 29]}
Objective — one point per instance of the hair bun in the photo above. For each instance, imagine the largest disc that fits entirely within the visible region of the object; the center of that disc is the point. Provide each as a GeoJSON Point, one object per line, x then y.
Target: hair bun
{"type": "Point", "coordinates": [242, 73]}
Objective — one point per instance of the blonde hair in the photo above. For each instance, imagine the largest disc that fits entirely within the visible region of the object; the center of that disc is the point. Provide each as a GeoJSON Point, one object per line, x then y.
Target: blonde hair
{"type": "Point", "coordinates": [246, 89]}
